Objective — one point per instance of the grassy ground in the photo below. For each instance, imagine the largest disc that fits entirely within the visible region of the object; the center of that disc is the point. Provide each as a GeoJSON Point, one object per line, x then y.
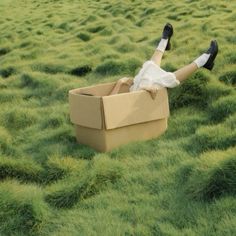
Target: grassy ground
{"type": "Point", "coordinates": [183, 183]}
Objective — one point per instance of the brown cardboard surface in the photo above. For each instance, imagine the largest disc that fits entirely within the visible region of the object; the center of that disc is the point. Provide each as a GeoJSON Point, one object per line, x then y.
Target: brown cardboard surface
{"type": "Point", "coordinates": [88, 110]}
{"type": "Point", "coordinates": [132, 108]}
{"type": "Point", "coordinates": [105, 122]}
{"type": "Point", "coordinates": [85, 110]}
{"type": "Point", "coordinates": [106, 140]}
{"type": "Point", "coordinates": [98, 90]}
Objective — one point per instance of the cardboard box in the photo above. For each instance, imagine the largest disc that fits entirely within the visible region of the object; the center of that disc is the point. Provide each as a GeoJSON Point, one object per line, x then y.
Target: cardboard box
{"type": "Point", "coordinates": [105, 122]}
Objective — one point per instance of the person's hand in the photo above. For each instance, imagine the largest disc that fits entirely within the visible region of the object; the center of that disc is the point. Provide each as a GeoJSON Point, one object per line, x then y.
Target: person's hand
{"type": "Point", "coordinates": [152, 90]}
{"type": "Point", "coordinates": [126, 81]}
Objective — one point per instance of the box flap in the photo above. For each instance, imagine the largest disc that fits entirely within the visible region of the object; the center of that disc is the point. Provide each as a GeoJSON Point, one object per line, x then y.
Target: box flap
{"type": "Point", "coordinates": [85, 110]}
{"type": "Point", "coordinates": [135, 107]}
{"type": "Point", "coordinates": [97, 90]}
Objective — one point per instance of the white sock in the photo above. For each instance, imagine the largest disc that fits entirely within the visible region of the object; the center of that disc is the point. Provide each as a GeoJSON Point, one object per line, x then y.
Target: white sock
{"type": "Point", "coordinates": [162, 45]}
{"type": "Point", "coordinates": [201, 61]}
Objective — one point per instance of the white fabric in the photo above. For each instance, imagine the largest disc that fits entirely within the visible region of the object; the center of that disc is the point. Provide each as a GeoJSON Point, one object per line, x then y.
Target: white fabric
{"type": "Point", "coordinates": [152, 75]}
{"type": "Point", "coordinates": [201, 61]}
{"type": "Point", "coordinates": [162, 45]}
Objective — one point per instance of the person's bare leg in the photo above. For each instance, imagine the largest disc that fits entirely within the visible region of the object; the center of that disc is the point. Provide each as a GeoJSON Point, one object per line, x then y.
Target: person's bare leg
{"type": "Point", "coordinates": [205, 60]}
{"type": "Point", "coordinates": [157, 56]}
{"type": "Point", "coordinates": [184, 72]}
{"type": "Point", "coordinates": [164, 44]}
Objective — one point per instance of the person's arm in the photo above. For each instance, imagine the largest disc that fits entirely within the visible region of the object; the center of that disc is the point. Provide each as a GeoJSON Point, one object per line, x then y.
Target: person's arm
{"type": "Point", "coordinates": [119, 83]}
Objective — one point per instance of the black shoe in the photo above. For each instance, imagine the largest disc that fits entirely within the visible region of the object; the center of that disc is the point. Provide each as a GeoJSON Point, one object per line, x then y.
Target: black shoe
{"type": "Point", "coordinates": [167, 33]}
{"type": "Point", "coordinates": [213, 50]}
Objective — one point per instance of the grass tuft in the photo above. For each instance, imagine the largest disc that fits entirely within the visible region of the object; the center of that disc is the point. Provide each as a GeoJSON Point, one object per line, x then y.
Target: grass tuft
{"type": "Point", "coordinates": [41, 86]}
{"type": "Point", "coordinates": [84, 36]}
{"type": "Point", "coordinates": [219, 136]}
{"type": "Point", "coordinates": [4, 51]}
{"type": "Point", "coordinates": [5, 140]}
{"type": "Point", "coordinates": [22, 170]}
{"type": "Point", "coordinates": [191, 92]}
{"type": "Point", "coordinates": [96, 29]}
{"type": "Point", "coordinates": [90, 182]}
{"type": "Point", "coordinates": [231, 57]}
{"type": "Point", "coordinates": [81, 70]}
{"type": "Point", "coordinates": [23, 211]}
{"type": "Point", "coordinates": [213, 176]}
{"type": "Point", "coordinates": [19, 118]}
{"type": "Point", "coordinates": [7, 72]}
{"type": "Point", "coordinates": [57, 168]}
{"type": "Point", "coordinates": [222, 108]}
{"type": "Point", "coordinates": [53, 121]}
{"type": "Point", "coordinates": [228, 77]}
{"type": "Point", "coordinates": [49, 68]}
{"type": "Point", "coordinates": [111, 67]}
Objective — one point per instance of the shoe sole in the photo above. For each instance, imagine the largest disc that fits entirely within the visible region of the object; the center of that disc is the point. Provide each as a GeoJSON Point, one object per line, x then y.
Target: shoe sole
{"type": "Point", "coordinates": [168, 46]}
{"type": "Point", "coordinates": [210, 66]}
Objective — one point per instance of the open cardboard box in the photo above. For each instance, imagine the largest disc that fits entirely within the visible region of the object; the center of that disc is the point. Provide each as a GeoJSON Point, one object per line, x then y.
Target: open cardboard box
{"type": "Point", "coordinates": [105, 121]}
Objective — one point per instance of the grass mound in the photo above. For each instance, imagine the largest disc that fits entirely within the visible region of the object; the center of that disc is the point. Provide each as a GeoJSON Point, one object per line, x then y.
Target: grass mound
{"type": "Point", "coordinates": [81, 70]}
{"type": "Point", "coordinates": [231, 121]}
{"type": "Point", "coordinates": [22, 170]}
{"type": "Point", "coordinates": [217, 90]}
{"type": "Point", "coordinates": [23, 211]}
{"type": "Point", "coordinates": [49, 68]}
{"type": "Point", "coordinates": [57, 168]}
{"type": "Point", "coordinates": [41, 86]}
{"type": "Point", "coordinates": [19, 118]}
{"type": "Point", "coordinates": [4, 51]}
{"type": "Point", "coordinates": [7, 71]}
{"type": "Point", "coordinates": [213, 175]}
{"type": "Point", "coordinates": [228, 77]}
{"type": "Point", "coordinates": [54, 121]}
{"type": "Point", "coordinates": [25, 171]}
{"type": "Point", "coordinates": [191, 92]}
{"type": "Point", "coordinates": [96, 29]}
{"type": "Point", "coordinates": [90, 182]}
{"type": "Point", "coordinates": [35, 81]}
{"type": "Point", "coordinates": [5, 140]}
{"type": "Point", "coordinates": [219, 136]}
{"type": "Point", "coordinates": [111, 67]}
{"type": "Point", "coordinates": [84, 36]}
{"type": "Point", "coordinates": [231, 57]}
{"type": "Point", "coordinates": [222, 108]}
{"type": "Point", "coordinates": [185, 122]}
{"type": "Point", "coordinates": [69, 195]}
{"type": "Point", "coordinates": [7, 96]}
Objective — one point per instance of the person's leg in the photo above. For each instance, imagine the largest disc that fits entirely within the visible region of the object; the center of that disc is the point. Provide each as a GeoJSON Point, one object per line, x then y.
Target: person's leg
{"type": "Point", "coordinates": [157, 56]}
{"type": "Point", "coordinates": [163, 45]}
{"type": "Point", "coordinates": [206, 60]}
{"type": "Point", "coordinates": [171, 80]}
{"type": "Point", "coordinates": [184, 72]}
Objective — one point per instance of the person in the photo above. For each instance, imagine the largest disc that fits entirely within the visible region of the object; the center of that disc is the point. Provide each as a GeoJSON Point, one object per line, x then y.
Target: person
{"type": "Point", "coordinates": [152, 77]}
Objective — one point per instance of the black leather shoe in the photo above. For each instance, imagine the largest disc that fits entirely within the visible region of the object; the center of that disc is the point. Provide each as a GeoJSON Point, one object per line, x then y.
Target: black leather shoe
{"type": "Point", "coordinates": [213, 50]}
{"type": "Point", "coordinates": [167, 33]}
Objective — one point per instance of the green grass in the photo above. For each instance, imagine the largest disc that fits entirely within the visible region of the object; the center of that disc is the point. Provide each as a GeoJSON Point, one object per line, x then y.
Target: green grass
{"type": "Point", "coordinates": [23, 210]}
{"type": "Point", "coordinates": [213, 175]}
{"type": "Point", "coordinates": [182, 183]}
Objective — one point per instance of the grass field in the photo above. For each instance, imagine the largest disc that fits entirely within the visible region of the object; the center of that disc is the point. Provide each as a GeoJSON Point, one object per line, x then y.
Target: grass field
{"type": "Point", "coordinates": [183, 183]}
